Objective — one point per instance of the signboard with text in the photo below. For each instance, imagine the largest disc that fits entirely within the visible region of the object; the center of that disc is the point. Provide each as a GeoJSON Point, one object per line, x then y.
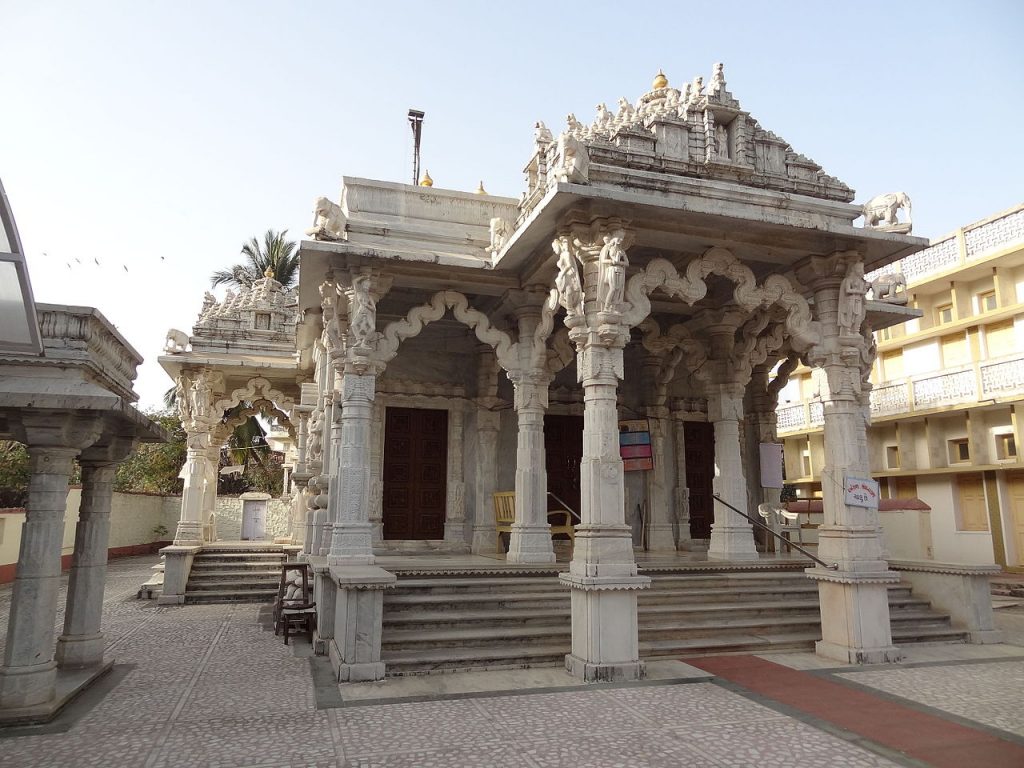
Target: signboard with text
{"type": "Point", "coordinates": [861, 492]}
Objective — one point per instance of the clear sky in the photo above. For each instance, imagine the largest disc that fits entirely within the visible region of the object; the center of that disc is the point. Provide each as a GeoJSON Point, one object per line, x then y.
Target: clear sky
{"type": "Point", "coordinates": [155, 137]}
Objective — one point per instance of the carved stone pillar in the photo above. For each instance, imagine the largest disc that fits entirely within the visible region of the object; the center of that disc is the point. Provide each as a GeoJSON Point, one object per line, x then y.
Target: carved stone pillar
{"type": "Point", "coordinates": [603, 574]}
{"type": "Point", "coordinates": [854, 598]}
{"type": "Point", "coordinates": [190, 526]}
{"type": "Point", "coordinates": [682, 491]}
{"type": "Point", "coordinates": [487, 426]}
{"type": "Point", "coordinates": [732, 536]}
{"type": "Point", "coordinates": [82, 643]}
{"type": "Point", "coordinates": [377, 473]}
{"type": "Point", "coordinates": [531, 533]}
{"type": "Point", "coordinates": [455, 518]}
{"type": "Point", "coordinates": [209, 514]}
{"type": "Point", "coordinates": [353, 534]}
{"type": "Point", "coordinates": [333, 413]}
{"type": "Point", "coordinates": [660, 531]}
{"type": "Point", "coordinates": [28, 675]}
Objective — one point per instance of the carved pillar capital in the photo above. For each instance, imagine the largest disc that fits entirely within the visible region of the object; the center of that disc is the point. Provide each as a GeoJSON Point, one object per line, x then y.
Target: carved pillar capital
{"type": "Point", "coordinates": [531, 389]}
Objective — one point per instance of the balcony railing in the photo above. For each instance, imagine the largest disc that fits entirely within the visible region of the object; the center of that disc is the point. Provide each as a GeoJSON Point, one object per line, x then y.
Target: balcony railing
{"type": "Point", "coordinates": [978, 241]}
{"type": "Point", "coordinates": [980, 381]}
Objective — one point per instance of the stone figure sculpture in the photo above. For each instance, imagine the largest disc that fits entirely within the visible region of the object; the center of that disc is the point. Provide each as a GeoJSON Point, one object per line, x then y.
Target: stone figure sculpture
{"type": "Point", "coordinates": [604, 117]}
{"type": "Point", "coordinates": [541, 133]}
{"type": "Point", "coordinates": [722, 141]}
{"type": "Point", "coordinates": [573, 163]}
{"type": "Point", "coordinates": [891, 288]}
{"type": "Point", "coordinates": [613, 263]}
{"type": "Point", "coordinates": [328, 221]}
{"type": "Point", "coordinates": [575, 126]}
{"type": "Point", "coordinates": [177, 341]}
{"type": "Point", "coordinates": [626, 112]}
{"type": "Point", "coordinates": [499, 234]}
{"type": "Point", "coordinates": [718, 79]}
{"type": "Point", "coordinates": [200, 395]}
{"type": "Point", "coordinates": [851, 300]}
{"type": "Point", "coordinates": [696, 89]}
{"type": "Point", "coordinates": [209, 302]}
{"type": "Point", "coordinates": [880, 212]}
{"type": "Point", "coordinates": [362, 312]}
{"type": "Point", "coordinates": [567, 282]}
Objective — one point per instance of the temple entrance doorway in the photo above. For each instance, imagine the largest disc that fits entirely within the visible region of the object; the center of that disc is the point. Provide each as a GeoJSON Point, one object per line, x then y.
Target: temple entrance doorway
{"type": "Point", "coordinates": [699, 437]}
{"type": "Point", "coordinates": [415, 473]}
{"type": "Point", "coordinates": [563, 446]}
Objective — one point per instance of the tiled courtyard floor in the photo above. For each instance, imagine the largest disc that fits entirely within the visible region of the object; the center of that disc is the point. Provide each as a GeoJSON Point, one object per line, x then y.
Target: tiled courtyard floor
{"type": "Point", "coordinates": [212, 686]}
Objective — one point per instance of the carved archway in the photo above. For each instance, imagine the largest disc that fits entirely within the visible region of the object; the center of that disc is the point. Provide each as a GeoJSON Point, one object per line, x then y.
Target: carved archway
{"type": "Point", "coordinates": [660, 274]}
{"type": "Point", "coordinates": [257, 388]}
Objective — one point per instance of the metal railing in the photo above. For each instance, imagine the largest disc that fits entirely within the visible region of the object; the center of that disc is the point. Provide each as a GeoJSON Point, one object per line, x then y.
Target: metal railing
{"type": "Point", "coordinates": [568, 509]}
{"type": "Point", "coordinates": [779, 536]}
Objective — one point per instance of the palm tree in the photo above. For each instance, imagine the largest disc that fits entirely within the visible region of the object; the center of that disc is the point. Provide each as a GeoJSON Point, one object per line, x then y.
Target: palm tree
{"type": "Point", "coordinates": [275, 252]}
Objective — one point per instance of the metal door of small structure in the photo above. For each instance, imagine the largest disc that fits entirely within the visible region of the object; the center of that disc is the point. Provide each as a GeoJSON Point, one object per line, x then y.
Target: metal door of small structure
{"type": "Point", "coordinates": [254, 519]}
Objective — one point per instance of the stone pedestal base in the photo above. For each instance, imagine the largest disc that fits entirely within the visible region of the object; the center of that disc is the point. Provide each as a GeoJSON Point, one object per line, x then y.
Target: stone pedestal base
{"type": "Point", "coordinates": [358, 615]}
{"type": "Point", "coordinates": [189, 533]}
{"type": "Point", "coordinates": [531, 544]}
{"type": "Point", "coordinates": [661, 538]}
{"type": "Point", "coordinates": [177, 564]}
{"type": "Point", "coordinates": [732, 542]}
{"type": "Point", "coordinates": [69, 683]}
{"type": "Point", "coordinates": [855, 616]}
{"type": "Point", "coordinates": [605, 647]}
{"type": "Point", "coordinates": [485, 540]}
{"type": "Point", "coordinates": [80, 650]}
{"type": "Point", "coordinates": [27, 686]}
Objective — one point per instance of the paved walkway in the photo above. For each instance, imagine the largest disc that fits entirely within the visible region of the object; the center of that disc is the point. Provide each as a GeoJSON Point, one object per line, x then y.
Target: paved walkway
{"type": "Point", "coordinates": [212, 686]}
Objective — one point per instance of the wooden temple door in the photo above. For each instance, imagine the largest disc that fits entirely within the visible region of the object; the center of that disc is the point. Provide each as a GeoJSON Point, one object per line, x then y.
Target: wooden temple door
{"type": "Point", "coordinates": [699, 437]}
{"type": "Point", "coordinates": [415, 473]}
{"type": "Point", "coordinates": [563, 446]}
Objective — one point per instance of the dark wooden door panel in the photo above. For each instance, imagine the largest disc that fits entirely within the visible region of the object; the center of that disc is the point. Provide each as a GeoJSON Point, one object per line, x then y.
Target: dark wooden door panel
{"type": "Point", "coordinates": [699, 437]}
{"type": "Point", "coordinates": [415, 473]}
{"type": "Point", "coordinates": [563, 448]}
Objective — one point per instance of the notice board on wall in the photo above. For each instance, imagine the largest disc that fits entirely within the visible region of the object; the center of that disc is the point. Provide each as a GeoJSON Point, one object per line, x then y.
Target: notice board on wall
{"type": "Point", "coordinates": [635, 445]}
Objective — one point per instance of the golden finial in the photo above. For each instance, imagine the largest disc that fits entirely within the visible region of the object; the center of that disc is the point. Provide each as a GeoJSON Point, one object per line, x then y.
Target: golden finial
{"type": "Point", "coordinates": [660, 81]}
{"type": "Point", "coordinates": [480, 190]}
{"type": "Point", "coordinates": [427, 181]}
{"type": "Point", "coordinates": [268, 272]}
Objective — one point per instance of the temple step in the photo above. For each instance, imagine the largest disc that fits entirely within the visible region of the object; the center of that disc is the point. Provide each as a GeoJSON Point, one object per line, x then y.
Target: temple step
{"type": "Point", "coordinates": [234, 574]}
{"type": "Point", "coordinates": [472, 622]}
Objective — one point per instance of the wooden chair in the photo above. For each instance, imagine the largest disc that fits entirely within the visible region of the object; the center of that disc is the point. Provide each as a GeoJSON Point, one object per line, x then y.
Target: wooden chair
{"type": "Point", "coordinates": [560, 520]}
{"type": "Point", "coordinates": [294, 607]}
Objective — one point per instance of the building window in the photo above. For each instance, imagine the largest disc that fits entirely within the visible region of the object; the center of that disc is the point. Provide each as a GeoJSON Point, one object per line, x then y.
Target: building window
{"type": "Point", "coordinates": [959, 451]}
{"type": "Point", "coordinates": [1006, 447]}
{"type": "Point", "coordinates": [805, 463]}
{"type": "Point", "coordinates": [944, 314]}
{"type": "Point", "coordinates": [986, 301]}
{"type": "Point", "coordinates": [885, 334]}
{"type": "Point", "coordinates": [892, 456]}
{"type": "Point", "coordinates": [973, 511]}
{"type": "Point", "coordinates": [904, 488]}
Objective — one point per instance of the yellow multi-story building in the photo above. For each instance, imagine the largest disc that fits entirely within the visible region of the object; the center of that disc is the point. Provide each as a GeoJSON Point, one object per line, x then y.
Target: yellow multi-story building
{"type": "Point", "coordinates": [947, 404]}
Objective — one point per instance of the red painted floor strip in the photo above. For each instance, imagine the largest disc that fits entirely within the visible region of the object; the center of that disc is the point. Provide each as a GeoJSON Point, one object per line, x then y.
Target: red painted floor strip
{"type": "Point", "coordinates": [934, 740]}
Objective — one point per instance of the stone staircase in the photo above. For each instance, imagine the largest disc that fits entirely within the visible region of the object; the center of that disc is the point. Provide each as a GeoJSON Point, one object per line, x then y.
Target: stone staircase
{"type": "Point", "coordinates": [438, 623]}
{"type": "Point", "coordinates": [235, 575]}
{"type": "Point", "coordinates": [1008, 585]}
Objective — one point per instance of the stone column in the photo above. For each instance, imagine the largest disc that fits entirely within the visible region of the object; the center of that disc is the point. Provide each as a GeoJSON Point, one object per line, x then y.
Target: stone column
{"type": "Point", "coordinates": [455, 519]}
{"type": "Point", "coordinates": [333, 413]}
{"type": "Point", "coordinates": [209, 515]}
{"type": "Point", "coordinates": [487, 426]}
{"type": "Point", "coordinates": [603, 574]}
{"type": "Point", "coordinates": [377, 473]}
{"type": "Point", "coordinates": [660, 533]}
{"type": "Point", "coordinates": [854, 598]}
{"type": "Point", "coordinates": [531, 533]}
{"type": "Point", "coordinates": [190, 526]}
{"type": "Point", "coordinates": [732, 536]}
{"type": "Point", "coordinates": [82, 643]}
{"type": "Point", "coordinates": [682, 491]}
{"type": "Point", "coordinates": [352, 542]}
{"type": "Point", "coordinates": [28, 675]}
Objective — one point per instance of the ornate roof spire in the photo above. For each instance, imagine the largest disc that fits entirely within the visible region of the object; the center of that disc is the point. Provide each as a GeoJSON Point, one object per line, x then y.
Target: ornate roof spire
{"type": "Point", "coordinates": [427, 181]}
{"type": "Point", "coordinates": [480, 190]}
{"type": "Point", "coordinates": [660, 81]}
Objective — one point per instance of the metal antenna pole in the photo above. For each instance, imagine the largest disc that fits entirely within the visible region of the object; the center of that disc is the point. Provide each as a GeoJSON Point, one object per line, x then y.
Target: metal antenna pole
{"type": "Point", "coordinates": [416, 123]}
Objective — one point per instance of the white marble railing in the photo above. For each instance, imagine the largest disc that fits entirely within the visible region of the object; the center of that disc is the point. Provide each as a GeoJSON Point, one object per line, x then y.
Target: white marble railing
{"type": "Point", "coordinates": [980, 381]}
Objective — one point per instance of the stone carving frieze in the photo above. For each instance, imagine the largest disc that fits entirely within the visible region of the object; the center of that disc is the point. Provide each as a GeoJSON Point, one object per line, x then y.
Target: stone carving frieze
{"type": "Point", "coordinates": [195, 399]}
{"type": "Point", "coordinates": [691, 287]}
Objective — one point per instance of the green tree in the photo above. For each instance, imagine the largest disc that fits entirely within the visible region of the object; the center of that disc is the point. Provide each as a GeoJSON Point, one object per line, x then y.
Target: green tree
{"type": "Point", "coordinates": [13, 474]}
{"type": "Point", "coordinates": [154, 467]}
{"type": "Point", "coordinates": [274, 252]}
